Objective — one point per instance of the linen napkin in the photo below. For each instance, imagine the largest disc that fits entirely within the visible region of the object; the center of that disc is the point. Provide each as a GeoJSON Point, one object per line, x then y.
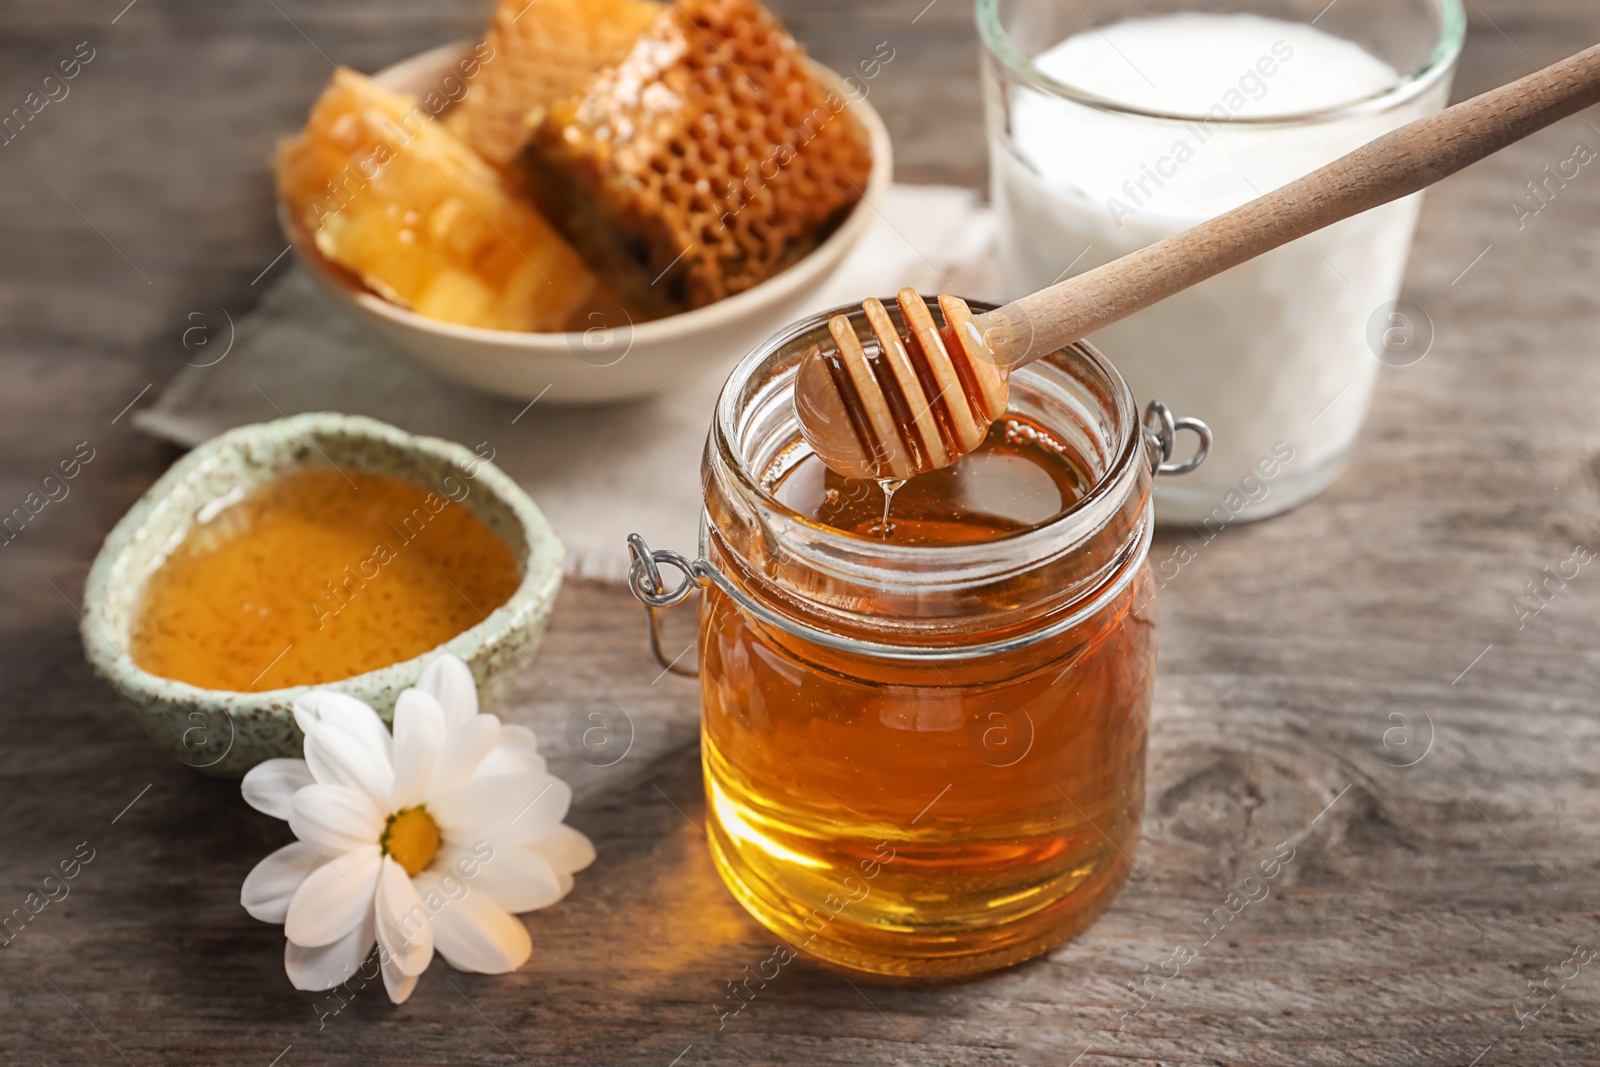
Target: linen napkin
{"type": "Point", "coordinates": [598, 473]}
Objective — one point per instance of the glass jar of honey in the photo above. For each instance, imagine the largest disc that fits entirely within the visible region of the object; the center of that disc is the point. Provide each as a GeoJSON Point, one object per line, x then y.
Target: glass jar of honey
{"type": "Point", "coordinates": [924, 714]}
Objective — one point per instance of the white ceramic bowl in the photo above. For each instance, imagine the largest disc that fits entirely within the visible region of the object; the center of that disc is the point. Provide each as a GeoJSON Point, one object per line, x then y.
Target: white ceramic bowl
{"type": "Point", "coordinates": [601, 364]}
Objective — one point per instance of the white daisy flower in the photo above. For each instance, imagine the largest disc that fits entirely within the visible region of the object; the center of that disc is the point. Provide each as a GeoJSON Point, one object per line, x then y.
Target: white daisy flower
{"type": "Point", "coordinates": [431, 839]}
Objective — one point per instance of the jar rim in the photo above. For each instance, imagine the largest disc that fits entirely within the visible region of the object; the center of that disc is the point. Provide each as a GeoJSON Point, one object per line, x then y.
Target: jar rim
{"type": "Point", "coordinates": [1452, 34]}
{"type": "Point", "coordinates": [1123, 454]}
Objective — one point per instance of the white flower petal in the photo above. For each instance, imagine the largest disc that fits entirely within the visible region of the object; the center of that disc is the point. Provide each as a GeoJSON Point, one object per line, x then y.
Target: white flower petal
{"type": "Point", "coordinates": [335, 819]}
{"type": "Point", "coordinates": [268, 786]}
{"type": "Point", "coordinates": [548, 807]}
{"type": "Point", "coordinates": [516, 752]}
{"type": "Point", "coordinates": [338, 757]}
{"type": "Point", "coordinates": [404, 932]}
{"type": "Point", "coordinates": [465, 746]}
{"type": "Point", "coordinates": [449, 681]}
{"type": "Point", "coordinates": [333, 899]}
{"type": "Point", "coordinates": [500, 763]}
{"type": "Point", "coordinates": [419, 731]}
{"type": "Point", "coordinates": [271, 885]}
{"type": "Point", "coordinates": [397, 984]}
{"type": "Point", "coordinates": [535, 820]}
{"type": "Point", "coordinates": [567, 849]}
{"type": "Point", "coordinates": [475, 934]}
{"type": "Point", "coordinates": [332, 964]}
{"type": "Point", "coordinates": [516, 878]}
{"type": "Point", "coordinates": [343, 712]}
{"type": "Point", "coordinates": [519, 805]}
{"type": "Point", "coordinates": [519, 738]}
{"type": "Point", "coordinates": [455, 865]}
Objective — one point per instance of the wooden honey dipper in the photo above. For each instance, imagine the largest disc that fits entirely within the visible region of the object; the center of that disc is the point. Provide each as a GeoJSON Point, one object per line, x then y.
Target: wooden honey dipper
{"type": "Point", "coordinates": [927, 397]}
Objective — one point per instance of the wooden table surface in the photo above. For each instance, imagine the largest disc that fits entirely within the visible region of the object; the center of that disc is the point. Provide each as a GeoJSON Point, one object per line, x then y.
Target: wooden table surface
{"type": "Point", "coordinates": [1434, 913]}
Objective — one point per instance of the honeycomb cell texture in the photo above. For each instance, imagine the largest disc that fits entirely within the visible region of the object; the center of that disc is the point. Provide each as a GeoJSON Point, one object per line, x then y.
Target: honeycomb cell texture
{"type": "Point", "coordinates": [706, 161]}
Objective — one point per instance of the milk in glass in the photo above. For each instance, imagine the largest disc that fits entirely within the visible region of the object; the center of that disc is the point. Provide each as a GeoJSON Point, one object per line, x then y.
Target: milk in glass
{"type": "Point", "coordinates": [1201, 113]}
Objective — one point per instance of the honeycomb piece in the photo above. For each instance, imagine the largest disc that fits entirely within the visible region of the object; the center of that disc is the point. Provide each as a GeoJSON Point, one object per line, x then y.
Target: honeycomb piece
{"type": "Point", "coordinates": [390, 195]}
{"type": "Point", "coordinates": [540, 52]}
{"type": "Point", "coordinates": [705, 162]}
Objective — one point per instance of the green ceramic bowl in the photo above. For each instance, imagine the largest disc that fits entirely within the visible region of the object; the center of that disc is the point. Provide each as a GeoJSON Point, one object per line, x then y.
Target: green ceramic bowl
{"type": "Point", "coordinates": [227, 733]}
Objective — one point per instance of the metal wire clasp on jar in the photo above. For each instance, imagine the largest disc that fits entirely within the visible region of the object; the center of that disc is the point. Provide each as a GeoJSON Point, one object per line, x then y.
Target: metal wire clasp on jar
{"type": "Point", "coordinates": [924, 754]}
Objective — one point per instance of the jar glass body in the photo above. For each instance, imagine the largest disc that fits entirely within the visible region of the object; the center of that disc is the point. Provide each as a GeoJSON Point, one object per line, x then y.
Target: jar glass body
{"type": "Point", "coordinates": [926, 761]}
{"type": "Point", "coordinates": [1279, 354]}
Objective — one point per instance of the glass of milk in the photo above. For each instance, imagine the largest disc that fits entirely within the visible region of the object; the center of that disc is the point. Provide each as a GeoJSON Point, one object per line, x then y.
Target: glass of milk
{"type": "Point", "coordinates": [1113, 125]}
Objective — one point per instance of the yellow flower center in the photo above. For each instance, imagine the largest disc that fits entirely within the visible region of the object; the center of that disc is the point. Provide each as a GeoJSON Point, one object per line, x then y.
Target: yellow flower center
{"type": "Point", "coordinates": [412, 838]}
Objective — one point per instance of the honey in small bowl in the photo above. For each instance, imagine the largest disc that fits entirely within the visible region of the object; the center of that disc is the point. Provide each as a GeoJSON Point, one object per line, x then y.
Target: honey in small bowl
{"type": "Point", "coordinates": [316, 576]}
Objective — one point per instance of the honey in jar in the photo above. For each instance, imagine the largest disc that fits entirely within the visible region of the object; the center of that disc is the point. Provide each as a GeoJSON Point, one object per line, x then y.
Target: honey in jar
{"type": "Point", "coordinates": [924, 742]}
{"type": "Point", "coordinates": [318, 575]}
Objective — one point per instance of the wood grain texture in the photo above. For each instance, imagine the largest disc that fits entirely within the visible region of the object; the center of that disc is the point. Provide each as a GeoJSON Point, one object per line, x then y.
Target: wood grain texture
{"type": "Point", "coordinates": [1405, 931]}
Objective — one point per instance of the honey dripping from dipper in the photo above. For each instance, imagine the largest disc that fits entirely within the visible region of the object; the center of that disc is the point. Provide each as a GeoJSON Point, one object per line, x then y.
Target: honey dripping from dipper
{"type": "Point", "coordinates": [885, 405]}
{"type": "Point", "coordinates": [895, 409]}
{"type": "Point", "coordinates": [1011, 482]}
